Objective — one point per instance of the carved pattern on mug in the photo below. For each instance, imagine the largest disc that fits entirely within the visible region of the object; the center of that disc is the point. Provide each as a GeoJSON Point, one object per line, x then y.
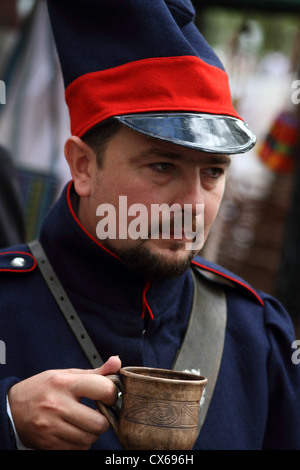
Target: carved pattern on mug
{"type": "Point", "coordinates": [151, 412]}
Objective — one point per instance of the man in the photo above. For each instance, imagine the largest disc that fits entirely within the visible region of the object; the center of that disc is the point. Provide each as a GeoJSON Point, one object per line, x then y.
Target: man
{"type": "Point", "coordinates": [143, 136]}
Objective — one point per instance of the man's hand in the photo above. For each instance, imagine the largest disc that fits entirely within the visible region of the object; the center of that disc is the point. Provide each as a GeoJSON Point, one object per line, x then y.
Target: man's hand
{"type": "Point", "coordinates": [47, 412]}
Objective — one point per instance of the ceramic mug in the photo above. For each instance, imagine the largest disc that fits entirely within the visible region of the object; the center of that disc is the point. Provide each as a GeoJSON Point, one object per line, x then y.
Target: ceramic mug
{"type": "Point", "coordinates": [159, 408]}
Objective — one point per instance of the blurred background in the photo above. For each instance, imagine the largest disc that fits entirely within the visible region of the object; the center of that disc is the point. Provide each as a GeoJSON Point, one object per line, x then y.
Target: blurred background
{"type": "Point", "coordinates": [257, 232]}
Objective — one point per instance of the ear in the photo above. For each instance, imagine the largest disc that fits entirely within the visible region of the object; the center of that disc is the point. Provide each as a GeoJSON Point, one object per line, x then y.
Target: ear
{"type": "Point", "coordinates": [80, 158]}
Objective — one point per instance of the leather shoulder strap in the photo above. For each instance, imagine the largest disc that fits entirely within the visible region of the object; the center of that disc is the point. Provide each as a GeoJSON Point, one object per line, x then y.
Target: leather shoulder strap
{"type": "Point", "coordinates": [202, 347]}
{"type": "Point", "coordinates": [65, 304]}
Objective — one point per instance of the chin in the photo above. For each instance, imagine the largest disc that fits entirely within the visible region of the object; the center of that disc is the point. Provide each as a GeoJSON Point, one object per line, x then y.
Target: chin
{"type": "Point", "coordinates": [155, 259]}
{"type": "Point", "coordinates": [160, 263]}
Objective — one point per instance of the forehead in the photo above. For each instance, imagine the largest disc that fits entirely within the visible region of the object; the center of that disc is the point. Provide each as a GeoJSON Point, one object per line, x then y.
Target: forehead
{"type": "Point", "coordinates": [138, 147]}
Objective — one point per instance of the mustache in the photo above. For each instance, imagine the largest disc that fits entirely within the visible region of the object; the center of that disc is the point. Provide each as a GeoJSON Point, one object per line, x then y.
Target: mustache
{"type": "Point", "coordinates": [180, 224]}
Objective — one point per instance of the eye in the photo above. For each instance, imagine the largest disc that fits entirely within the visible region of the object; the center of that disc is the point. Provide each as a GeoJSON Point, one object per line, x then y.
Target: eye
{"type": "Point", "coordinates": [162, 167]}
{"type": "Point", "coordinates": [214, 172]}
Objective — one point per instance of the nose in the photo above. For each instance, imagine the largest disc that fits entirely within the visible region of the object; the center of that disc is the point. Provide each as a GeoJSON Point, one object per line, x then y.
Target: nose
{"type": "Point", "coordinates": [190, 192]}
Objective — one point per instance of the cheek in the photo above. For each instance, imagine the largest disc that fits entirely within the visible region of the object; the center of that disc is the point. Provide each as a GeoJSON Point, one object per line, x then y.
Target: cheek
{"type": "Point", "coordinates": [106, 189]}
{"type": "Point", "coordinates": [130, 200]}
{"type": "Point", "coordinates": [211, 208]}
{"type": "Point", "coordinates": [140, 193]}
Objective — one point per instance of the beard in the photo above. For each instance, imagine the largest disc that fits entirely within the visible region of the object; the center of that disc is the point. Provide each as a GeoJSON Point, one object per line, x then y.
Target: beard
{"type": "Point", "coordinates": [146, 262]}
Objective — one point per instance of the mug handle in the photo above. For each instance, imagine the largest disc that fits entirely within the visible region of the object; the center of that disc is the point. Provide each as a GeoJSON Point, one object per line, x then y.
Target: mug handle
{"type": "Point", "coordinates": [112, 413]}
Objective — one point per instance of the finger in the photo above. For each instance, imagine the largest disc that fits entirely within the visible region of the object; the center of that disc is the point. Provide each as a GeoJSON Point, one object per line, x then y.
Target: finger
{"type": "Point", "coordinates": [111, 366]}
{"type": "Point", "coordinates": [87, 419]}
{"type": "Point", "coordinates": [78, 425]}
{"type": "Point", "coordinates": [62, 434]}
{"type": "Point", "coordinates": [95, 387]}
{"type": "Point", "coordinates": [69, 437]}
{"type": "Point", "coordinates": [74, 439]}
{"type": "Point", "coordinates": [80, 436]}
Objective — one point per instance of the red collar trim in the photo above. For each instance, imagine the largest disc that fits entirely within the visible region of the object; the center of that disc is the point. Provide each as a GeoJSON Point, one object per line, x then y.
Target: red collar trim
{"type": "Point", "coordinates": [232, 279]}
{"type": "Point", "coordinates": [82, 227]}
{"type": "Point", "coordinates": [146, 306]}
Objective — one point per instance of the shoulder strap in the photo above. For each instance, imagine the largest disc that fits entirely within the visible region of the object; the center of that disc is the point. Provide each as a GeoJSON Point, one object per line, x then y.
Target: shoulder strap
{"type": "Point", "coordinates": [203, 344]}
{"type": "Point", "coordinates": [65, 304]}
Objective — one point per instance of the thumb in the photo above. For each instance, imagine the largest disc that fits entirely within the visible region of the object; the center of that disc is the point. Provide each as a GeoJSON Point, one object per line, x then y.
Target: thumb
{"type": "Point", "coordinates": [111, 366]}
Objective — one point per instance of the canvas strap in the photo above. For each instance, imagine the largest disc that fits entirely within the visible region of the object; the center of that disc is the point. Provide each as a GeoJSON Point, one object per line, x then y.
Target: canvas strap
{"type": "Point", "coordinates": [203, 343]}
{"type": "Point", "coordinates": [202, 346]}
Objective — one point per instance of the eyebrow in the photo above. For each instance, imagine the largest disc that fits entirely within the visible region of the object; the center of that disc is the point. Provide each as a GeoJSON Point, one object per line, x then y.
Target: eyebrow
{"type": "Point", "coordinates": [204, 157]}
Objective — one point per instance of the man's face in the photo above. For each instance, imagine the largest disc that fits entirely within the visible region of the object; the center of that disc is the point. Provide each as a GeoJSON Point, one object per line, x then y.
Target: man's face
{"type": "Point", "coordinates": [152, 172]}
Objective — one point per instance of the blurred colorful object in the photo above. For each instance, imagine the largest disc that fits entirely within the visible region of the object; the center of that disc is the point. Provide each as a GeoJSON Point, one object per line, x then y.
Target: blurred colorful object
{"type": "Point", "coordinates": [278, 150]}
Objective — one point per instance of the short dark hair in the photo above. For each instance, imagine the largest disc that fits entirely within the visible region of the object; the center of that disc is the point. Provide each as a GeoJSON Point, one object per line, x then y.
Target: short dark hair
{"type": "Point", "coordinates": [99, 137]}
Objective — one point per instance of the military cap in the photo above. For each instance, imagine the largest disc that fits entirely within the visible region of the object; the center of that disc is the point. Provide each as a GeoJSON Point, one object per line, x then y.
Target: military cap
{"type": "Point", "coordinates": [146, 64]}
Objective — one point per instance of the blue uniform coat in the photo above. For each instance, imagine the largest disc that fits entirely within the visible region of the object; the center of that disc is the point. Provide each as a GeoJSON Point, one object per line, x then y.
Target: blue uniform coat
{"type": "Point", "coordinates": [255, 404]}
